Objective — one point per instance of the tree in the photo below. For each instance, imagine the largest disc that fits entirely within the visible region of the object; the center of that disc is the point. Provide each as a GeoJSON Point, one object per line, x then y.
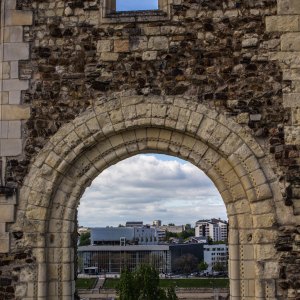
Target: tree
{"type": "Point", "coordinates": [209, 240]}
{"type": "Point", "coordinates": [202, 266]}
{"type": "Point", "coordinates": [142, 284]}
{"type": "Point", "coordinates": [188, 226]}
{"type": "Point", "coordinates": [186, 263]}
{"type": "Point", "coordinates": [85, 239]}
{"type": "Point", "coordinates": [171, 294]}
{"type": "Point", "coordinates": [220, 266]}
{"type": "Point", "coordinates": [126, 286]}
{"type": "Point", "coordinates": [187, 233]}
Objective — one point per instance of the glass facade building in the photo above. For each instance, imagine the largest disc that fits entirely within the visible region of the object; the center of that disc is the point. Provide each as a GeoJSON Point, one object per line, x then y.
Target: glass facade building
{"type": "Point", "coordinates": [112, 259]}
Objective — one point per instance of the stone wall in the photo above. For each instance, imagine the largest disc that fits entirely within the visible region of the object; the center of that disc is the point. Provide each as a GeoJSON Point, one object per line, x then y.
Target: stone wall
{"type": "Point", "coordinates": [238, 58]}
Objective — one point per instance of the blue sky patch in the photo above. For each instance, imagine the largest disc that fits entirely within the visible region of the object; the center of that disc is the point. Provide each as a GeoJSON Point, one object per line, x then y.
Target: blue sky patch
{"type": "Point", "coordinates": [131, 5]}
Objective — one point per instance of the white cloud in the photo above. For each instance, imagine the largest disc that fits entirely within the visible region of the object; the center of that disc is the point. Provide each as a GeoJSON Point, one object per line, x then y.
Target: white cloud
{"type": "Point", "coordinates": [146, 188]}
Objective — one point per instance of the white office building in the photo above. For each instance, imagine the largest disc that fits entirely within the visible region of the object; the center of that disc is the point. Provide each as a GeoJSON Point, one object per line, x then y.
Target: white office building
{"type": "Point", "coordinates": [213, 228]}
{"type": "Point", "coordinates": [214, 254]}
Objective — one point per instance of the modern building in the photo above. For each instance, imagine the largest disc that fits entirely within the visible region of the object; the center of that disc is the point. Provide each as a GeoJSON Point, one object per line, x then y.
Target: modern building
{"type": "Point", "coordinates": [112, 259]}
{"type": "Point", "coordinates": [121, 236]}
{"type": "Point", "coordinates": [161, 234]}
{"type": "Point", "coordinates": [172, 228]}
{"type": "Point", "coordinates": [178, 250]}
{"type": "Point", "coordinates": [134, 224]}
{"type": "Point", "coordinates": [216, 229]}
{"type": "Point", "coordinates": [198, 240]}
{"type": "Point", "coordinates": [214, 254]}
{"type": "Point", "coordinates": [157, 223]}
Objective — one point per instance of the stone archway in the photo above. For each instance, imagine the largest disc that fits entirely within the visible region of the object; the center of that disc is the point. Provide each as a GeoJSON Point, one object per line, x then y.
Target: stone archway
{"type": "Point", "coordinates": [119, 128]}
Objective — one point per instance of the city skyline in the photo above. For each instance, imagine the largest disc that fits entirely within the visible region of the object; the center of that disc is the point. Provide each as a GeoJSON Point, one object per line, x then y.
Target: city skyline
{"type": "Point", "coordinates": [150, 187]}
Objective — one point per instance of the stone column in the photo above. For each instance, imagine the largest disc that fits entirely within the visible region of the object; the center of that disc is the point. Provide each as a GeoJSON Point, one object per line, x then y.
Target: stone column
{"type": "Point", "coordinates": [12, 112]}
{"type": "Point", "coordinates": [288, 23]}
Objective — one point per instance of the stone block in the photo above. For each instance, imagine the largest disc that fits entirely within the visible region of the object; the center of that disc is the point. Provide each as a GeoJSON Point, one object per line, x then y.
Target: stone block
{"type": "Point", "coordinates": [291, 100]}
{"type": "Point", "coordinates": [18, 17]}
{"type": "Point", "coordinates": [292, 135]}
{"type": "Point", "coordinates": [149, 55]}
{"type": "Point", "coordinates": [296, 116]}
{"type": "Point", "coordinates": [10, 4]}
{"type": "Point", "coordinates": [7, 213]}
{"type": "Point", "coordinates": [249, 271]}
{"type": "Point", "coordinates": [2, 227]}
{"type": "Point", "coordinates": [5, 67]}
{"type": "Point", "coordinates": [109, 56]}
{"type": "Point", "coordinates": [104, 46]}
{"type": "Point", "coordinates": [287, 60]}
{"type": "Point", "coordinates": [13, 34]}
{"type": "Point", "coordinates": [14, 129]}
{"type": "Point", "coordinates": [156, 30]}
{"type": "Point", "coordinates": [16, 51]}
{"type": "Point", "coordinates": [283, 23]}
{"type": "Point", "coordinates": [290, 7]}
{"type": "Point", "coordinates": [4, 97]}
{"type": "Point", "coordinates": [14, 97]}
{"type": "Point", "coordinates": [291, 74]}
{"type": "Point", "coordinates": [3, 129]}
{"type": "Point", "coordinates": [138, 43]}
{"type": "Point", "coordinates": [121, 46]}
{"type": "Point", "coordinates": [264, 221]}
{"type": "Point", "coordinates": [14, 69]}
{"type": "Point", "coordinates": [15, 85]}
{"type": "Point", "coordinates": [10, 147]}
{"type": "Point", "coordinates": [158, 43]}
{"type": "Point", "coordinates": [290, 41]}
{"type": "Point", "coordinates": [15, 112]}
{"type": "Point", "coordinates": [4, 242]}
{"type": "Point", "coordinates": [265, 251]}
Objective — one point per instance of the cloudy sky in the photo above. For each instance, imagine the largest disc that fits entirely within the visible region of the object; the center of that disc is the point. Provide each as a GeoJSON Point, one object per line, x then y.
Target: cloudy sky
{"type": "Point", "coordinates": [150, 187]}
{"type": "Point", "coordinates": [126, 5]}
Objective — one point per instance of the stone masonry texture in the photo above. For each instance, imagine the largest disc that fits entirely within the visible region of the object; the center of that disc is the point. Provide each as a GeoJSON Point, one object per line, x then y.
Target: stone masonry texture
{"type": "Point", "coordinates": [238, 59]}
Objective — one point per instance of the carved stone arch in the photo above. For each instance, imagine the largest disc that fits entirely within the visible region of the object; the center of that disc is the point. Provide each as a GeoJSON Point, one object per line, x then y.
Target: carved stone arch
{"type": "Point", "coordinates": [119, 128]}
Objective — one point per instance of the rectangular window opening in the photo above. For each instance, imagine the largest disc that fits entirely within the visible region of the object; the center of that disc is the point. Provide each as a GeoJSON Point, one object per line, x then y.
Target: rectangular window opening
{"type": "Point", "coordinates": [136, 5]}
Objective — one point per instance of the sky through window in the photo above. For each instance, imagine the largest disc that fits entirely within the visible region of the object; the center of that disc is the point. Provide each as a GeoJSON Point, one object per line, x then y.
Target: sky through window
{"type": "Point", "coordinates": [131, 5]}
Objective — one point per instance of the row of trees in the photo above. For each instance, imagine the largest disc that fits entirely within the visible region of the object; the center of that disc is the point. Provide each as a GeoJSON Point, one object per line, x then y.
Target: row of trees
{"type": "Point", "coordinates": [143, 284]}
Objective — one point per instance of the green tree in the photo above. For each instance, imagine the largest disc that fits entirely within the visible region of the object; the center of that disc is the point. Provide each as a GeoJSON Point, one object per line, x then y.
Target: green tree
{"type": "Point", "coordinates": [171, 294]}
{"type": "Point", "coordinates": [202, 266]}
{"type": "Point", "coordinates": [142, 284]}
{"type": "Point", "coordinates": [209, 240]}
{"type": "Point", "coordinates": [220, 266]}
{"type": "Point", "coordinates": [188, 226]}
{"type": "Point", "coordinates": [85, 239]}
{"type": "Point", "coordinates": [126, 286]}
{"type": "Point", "coordinates": [187, 233]}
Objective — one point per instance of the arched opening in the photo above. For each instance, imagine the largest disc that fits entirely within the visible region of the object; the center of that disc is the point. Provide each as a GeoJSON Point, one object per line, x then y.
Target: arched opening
{"type": "Point", "coordinates": [118, 211]}
{"type": "Point", "coordinates": [122, 128]}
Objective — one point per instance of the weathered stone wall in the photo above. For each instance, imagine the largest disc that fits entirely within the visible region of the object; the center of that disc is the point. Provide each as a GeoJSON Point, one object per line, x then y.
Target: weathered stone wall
{"type": "Point", "coordinates": [238, 58]}
{"type": "Point", "coordinates": [217, 50]}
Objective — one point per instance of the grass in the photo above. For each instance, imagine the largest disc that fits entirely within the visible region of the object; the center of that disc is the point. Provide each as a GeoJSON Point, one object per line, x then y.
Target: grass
{"type": "Point", "coordinates": [110, 283]}
{"type": "Point", "coordinates": [86, 283]}
{"type": "Point", "coordinates": [195, 283]}
{"type": "Point", "coordinates": [181, 283]}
